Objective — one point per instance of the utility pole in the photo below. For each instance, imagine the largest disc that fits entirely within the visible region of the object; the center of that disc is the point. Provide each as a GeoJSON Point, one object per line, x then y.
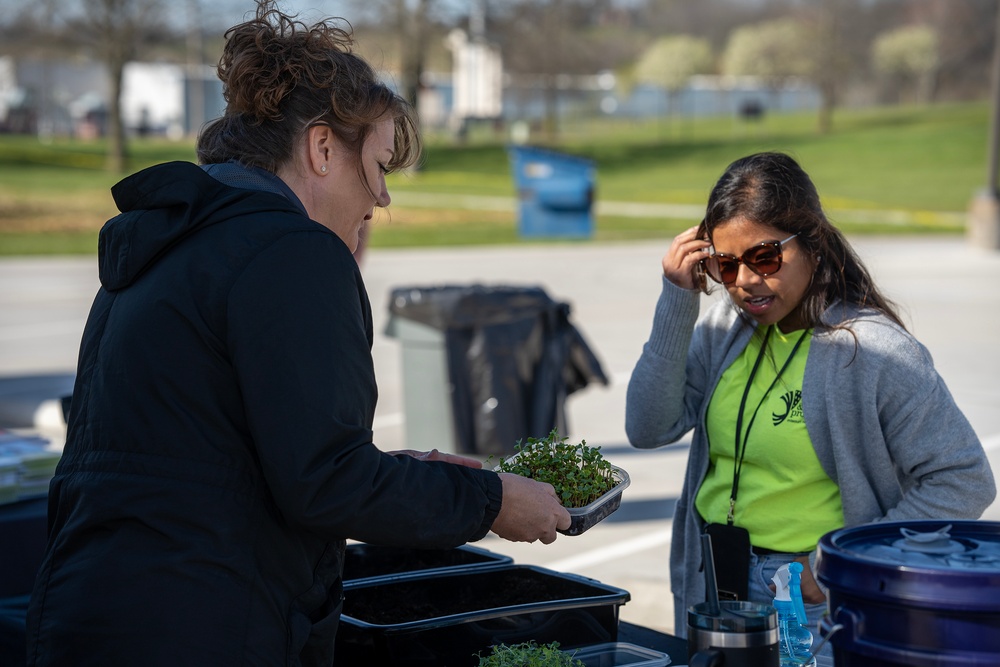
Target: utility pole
{"type": "Point", "coordinates": [983, 227]}
{"type": "Point", "coordinates": [195, 82]}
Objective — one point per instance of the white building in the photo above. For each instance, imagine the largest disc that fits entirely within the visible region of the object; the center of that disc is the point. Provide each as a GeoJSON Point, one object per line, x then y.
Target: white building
{"type": "Point", "coordinates": [69, 97]}
{"type": "Point", "coordinates": [477, 78]}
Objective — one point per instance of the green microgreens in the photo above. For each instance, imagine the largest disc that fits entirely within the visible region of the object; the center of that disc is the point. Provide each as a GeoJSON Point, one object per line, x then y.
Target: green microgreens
{"type": "Point", "coordinates": [579, 474]}
{"type": "Point", "coordinates": [528, 654]}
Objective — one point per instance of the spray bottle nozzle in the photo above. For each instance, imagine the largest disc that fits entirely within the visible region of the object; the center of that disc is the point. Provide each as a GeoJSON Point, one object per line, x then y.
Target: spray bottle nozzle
{"type": "Point", "coordinates": [795, 645]}
{"type": "Point", "coordinates": [788, 588]}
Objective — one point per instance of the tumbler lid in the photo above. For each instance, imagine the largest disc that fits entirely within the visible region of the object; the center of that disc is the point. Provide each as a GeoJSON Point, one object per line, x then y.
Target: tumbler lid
{"type": "Point", "coordinates": [734, 616]}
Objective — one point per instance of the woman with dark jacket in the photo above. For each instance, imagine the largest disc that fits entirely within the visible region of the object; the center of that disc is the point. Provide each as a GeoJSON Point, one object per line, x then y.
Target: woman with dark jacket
{"type": "Point", "coordinates": [219, 447]}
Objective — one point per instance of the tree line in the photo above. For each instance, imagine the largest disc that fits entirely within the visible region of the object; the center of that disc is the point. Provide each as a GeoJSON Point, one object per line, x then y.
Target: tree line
{"type": "Point", "coordinates": [852, 51]}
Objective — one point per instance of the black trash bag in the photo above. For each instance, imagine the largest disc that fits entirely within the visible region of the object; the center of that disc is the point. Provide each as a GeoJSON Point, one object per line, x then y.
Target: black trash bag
{"type": "Point", "coordinates": [513, 358]}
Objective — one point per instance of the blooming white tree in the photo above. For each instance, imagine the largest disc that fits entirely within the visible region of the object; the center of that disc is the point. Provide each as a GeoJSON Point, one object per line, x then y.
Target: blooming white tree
{"type": "Point", "coordinates": [774, 51]}
{"type": "Point", "coordinates": [908, 55]}
{"type": "Point", "coordinates": [671, 62]}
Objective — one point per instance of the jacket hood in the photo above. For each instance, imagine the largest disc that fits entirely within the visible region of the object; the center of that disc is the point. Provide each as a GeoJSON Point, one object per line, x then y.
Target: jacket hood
{"type": "Point", "coordinates": [162, 205]}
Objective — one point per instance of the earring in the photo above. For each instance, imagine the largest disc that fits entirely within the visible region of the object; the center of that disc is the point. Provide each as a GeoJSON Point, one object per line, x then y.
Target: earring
{"type": "Point", "coordinates": [322, 169]}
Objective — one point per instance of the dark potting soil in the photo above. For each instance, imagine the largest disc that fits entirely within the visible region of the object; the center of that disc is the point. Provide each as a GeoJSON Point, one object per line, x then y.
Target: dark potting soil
{"type": "Point", "coordinates": [433, 597]}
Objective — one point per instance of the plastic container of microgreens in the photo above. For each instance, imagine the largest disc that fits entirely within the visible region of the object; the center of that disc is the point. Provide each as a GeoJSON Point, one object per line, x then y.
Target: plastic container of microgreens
{"type": "Point", "coordinates": [586, 517]}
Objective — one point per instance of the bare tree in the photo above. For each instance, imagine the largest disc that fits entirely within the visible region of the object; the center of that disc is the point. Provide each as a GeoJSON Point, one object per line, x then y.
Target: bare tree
{"type": "Point", "coordinates": [547, 42]}
{"type": "Point", "coordinates": [826, 26]}
{"type": "Point", "coordinates": [25, 27]}
{"type": "Point", "coordinates": [408, 27]}
{"type": "Point", "coordinates": [413, 24]}
{"type": "Point", "coordinates": [414, 29]}
{"type": "Point", "coordinates": [712, 19]}
{"type": "Point", "coordinates": [966, 38]}
{"type": "Point", "coordinates": [117, 31]}
{"type": "Point", "coordinates": [31, 31]}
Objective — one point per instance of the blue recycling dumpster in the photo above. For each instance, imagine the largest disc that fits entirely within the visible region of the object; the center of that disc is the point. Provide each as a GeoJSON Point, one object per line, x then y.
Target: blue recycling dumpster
{"type": "Point", "coordinates": [555, 193]}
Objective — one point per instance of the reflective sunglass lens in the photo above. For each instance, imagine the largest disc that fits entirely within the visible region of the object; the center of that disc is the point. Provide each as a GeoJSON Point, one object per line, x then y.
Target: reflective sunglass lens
{"type": "Point", "coordinates": [728, 270]}
{"type": "Point", "coordinates": [713, 268]}
{"type": "Point", "coordinates": [764, 261]}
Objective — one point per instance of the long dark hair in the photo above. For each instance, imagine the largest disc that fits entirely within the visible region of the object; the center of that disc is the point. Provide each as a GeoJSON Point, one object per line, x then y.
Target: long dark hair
{"type": "Point", "coordinates": [281, 77]}
{"type": "Point", "coordinates": [772, 189]}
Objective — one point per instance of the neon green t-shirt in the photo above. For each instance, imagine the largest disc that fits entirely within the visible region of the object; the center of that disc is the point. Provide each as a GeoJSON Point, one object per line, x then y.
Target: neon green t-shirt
{"type": "Point", "coordinates": [785, 499]}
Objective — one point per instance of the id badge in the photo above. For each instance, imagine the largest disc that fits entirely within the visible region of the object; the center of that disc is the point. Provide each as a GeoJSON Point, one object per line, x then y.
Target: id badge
{"type": "Point", "coordinates": [731, 552]}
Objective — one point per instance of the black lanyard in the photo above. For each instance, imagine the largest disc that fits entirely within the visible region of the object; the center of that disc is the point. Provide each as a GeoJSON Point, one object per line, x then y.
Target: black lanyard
{"type": "Point", "coordinates": [741, 452]}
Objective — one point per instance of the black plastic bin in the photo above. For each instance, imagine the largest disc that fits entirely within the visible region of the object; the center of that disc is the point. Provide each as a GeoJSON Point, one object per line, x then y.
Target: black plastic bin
{"type": "Point", "coordinates": [364, 563]}
{"type": "Point", "coordinates": [445, 620]}
{"type": "Point", "coordinates": [502, 359]}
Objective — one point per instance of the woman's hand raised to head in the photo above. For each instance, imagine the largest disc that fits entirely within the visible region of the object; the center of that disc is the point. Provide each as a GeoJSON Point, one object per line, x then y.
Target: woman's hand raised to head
{"type": "Point", "coordinates": [683, 256]}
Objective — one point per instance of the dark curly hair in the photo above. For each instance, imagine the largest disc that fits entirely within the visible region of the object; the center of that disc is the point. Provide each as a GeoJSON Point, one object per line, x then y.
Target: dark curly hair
{"type": "Point", "coordinates": [771, 189]}
{"type": "Point", "coordinates": [281, 77]}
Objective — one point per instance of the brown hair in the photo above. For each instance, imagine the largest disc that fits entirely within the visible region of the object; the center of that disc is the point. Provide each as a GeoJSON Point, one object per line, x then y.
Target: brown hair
{"type": "Point", "coordinates": [281, 77]}
{"type": "Point", "coordinates": [772, 189]}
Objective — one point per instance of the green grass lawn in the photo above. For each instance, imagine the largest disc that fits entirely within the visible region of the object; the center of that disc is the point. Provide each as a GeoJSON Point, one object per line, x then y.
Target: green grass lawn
{"type": "Point", "coordinates": [926, 161]}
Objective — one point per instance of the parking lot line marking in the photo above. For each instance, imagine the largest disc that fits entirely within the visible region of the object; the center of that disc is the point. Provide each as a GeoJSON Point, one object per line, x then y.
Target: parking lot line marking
{"type": "Point", "coordinates": [612, 552]}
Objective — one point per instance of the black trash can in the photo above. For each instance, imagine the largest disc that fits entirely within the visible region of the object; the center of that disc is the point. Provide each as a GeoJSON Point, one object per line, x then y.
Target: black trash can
{"type": "Point", "coordinates": [486, 366]}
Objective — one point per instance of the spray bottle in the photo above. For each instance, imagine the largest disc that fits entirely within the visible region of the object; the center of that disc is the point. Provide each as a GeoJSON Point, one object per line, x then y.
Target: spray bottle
{"type": "Point", "coordinates": [794, 638]}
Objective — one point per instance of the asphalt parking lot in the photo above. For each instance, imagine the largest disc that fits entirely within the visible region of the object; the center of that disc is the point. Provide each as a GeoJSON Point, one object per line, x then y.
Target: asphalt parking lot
{"type": "Point", "coordinates": [946, 288]}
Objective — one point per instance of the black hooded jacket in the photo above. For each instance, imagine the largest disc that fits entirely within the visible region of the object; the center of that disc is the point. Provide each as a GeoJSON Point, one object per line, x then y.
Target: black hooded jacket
{"type": "Point", "coordinates": [219, 448]}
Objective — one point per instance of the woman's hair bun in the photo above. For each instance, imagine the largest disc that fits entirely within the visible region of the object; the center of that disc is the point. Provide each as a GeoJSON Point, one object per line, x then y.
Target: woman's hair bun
{"type": "Point", "coordinates": [266, 57]}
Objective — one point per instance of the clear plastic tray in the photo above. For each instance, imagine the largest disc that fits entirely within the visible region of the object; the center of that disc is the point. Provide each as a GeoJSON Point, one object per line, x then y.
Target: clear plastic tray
{"type": "Point", "coordinates": [619, 654]}
{"type": "Point", "coordinates": [584, 518]}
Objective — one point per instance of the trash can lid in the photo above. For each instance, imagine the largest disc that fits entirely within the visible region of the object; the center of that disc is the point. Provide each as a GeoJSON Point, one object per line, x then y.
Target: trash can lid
{"type": "Point", "coordinates": [940, 563]}
{"type": "Point", "coordinates": [475, 305]}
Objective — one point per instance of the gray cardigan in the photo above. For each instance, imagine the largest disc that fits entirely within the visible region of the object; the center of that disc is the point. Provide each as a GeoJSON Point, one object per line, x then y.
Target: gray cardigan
{"type": "Point", "coordinates": [884, 425]}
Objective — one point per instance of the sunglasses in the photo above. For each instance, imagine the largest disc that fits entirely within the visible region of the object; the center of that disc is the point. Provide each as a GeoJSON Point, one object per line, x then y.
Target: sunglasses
{"type": "Point", "coordinates": [763, 259]}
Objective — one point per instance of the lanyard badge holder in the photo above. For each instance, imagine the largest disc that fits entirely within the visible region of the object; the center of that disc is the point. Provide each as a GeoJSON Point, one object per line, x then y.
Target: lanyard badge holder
{"type": "Point", "coordinates": [731, 543]}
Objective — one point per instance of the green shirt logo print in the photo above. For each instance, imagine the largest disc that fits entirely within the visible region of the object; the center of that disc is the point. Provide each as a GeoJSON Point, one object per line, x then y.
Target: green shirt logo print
{"type": "Point", "coordinates": [792, 401]}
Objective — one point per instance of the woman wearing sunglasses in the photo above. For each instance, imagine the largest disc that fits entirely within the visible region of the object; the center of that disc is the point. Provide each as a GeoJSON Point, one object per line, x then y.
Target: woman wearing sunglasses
{"type": "Point", "coordinates": [812, 407]}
